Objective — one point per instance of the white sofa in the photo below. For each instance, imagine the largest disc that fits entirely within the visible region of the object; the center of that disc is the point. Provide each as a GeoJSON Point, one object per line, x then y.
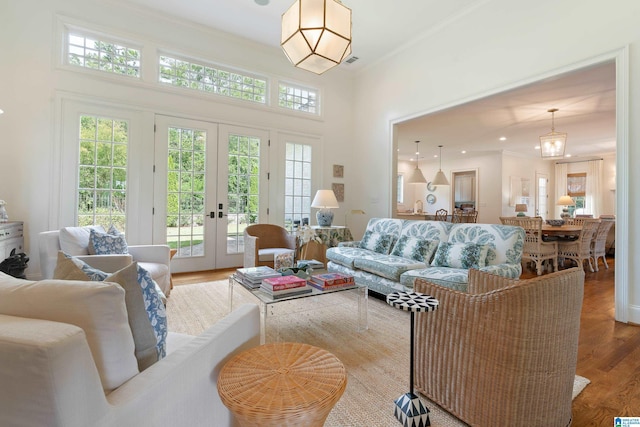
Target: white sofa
{"type": "Point", "coordinates": [49, 374]}
{"type": "Point", "coordinates": [153, 258]}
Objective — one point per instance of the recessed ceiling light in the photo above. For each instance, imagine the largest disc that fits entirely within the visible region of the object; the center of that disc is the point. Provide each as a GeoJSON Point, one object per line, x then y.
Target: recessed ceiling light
{"type": "Point", "coordinates": [567, 155]}
{"type": "Point", "coordinates": [262, 2]}
{"type": "Point", "coordinates": [464, 151]}
{"type": "Point", "coordinates": [503, 138]}
{"type": "Point", "coordinates": [537, 147]}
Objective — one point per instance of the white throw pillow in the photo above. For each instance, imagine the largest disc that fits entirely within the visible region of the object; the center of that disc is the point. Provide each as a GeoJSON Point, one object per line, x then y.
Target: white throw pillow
{"type": "Point", "coordinates": [75, 240]}
{"type": "Point", "coordinates": [96, 307]}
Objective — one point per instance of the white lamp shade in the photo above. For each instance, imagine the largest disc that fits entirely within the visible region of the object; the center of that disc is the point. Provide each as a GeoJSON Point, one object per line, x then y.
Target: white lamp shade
{"type": "Point", "coordinates": [417, 177]}
{"type": "Point", "coordinates": [325, 199]}
{"type": "Point", "coordinates": [440, 179]}
{"type": "Point", "coordinates": [565, 201]}
{"type": "Point", "coordinates": [316, 34]}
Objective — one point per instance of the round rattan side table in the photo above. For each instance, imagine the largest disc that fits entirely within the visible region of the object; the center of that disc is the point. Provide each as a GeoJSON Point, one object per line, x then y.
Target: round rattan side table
{"type": "Point", "coordinates": [282, 384]}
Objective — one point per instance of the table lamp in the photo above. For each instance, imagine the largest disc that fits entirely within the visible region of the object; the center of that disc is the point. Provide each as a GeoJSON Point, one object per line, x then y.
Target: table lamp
{"type": "Point", "coordinates": [325, 200]}
{"type": "Point", "coordinates": [565, 201]}
{"type": "Point", "coordinates": [521, 208]}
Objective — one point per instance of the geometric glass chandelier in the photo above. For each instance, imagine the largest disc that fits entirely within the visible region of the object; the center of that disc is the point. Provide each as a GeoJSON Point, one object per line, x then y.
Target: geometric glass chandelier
{"type": "Point", "coordinates": [553, 143]}
{"type": "Point", "coordinates": [316, 34]}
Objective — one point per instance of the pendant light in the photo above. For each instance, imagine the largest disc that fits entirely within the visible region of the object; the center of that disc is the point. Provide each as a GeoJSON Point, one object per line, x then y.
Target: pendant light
{"type": "Point", "coordinates": [316, 34]}
{"type": "Point", "coordinates": [440, 178]}
{"type": "Point", "coordinates": [416, 176]}
{"type": "Point", "coordinates": [553, 143]}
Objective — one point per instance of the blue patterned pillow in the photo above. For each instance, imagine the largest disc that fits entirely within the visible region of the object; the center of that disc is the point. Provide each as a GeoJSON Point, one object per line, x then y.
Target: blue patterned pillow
{"type": "Point", "coordinates": [151, 295]}
{"type": "Point", "coordinates": [155, 310]}
{"type": "Point", "coordinates": [414, 248]}
{"type": "Point", "coordinates": [460, 255]}
{"type": "Point", "coordinates": [93, 273]}
{"type": "Point", "coordinates": [105, 244]}
{"type": "Point", "coordinates": [377, 242]}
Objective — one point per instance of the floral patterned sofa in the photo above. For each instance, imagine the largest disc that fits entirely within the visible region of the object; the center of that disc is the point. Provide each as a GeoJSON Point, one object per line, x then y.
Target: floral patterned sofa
{"type": "Point", "coordinates": [394, 252]}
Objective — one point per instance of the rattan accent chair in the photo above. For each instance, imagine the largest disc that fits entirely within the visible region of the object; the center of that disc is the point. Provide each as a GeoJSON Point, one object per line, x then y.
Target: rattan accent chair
{"type": "Point", "coordinates": [599, 243]}
{"type": "Point", "coordinates": [504, 353]}
{"type": "Point", "coordinates": [263, 242]}
{"type": "Point", "coordinates": [580, 250]}
{"type": "Point", "coordinates": [441, 215]}
{"type": "Point", "coordinates": [536, 250]}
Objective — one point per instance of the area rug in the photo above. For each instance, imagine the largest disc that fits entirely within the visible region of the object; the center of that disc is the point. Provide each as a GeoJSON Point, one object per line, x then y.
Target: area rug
{"type": "Point", "coordinates": [377, 360]}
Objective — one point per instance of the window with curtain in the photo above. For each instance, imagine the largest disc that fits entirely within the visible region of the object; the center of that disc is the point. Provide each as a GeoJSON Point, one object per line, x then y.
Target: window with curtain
{"type": "Point", "coordinates": [577, 190]}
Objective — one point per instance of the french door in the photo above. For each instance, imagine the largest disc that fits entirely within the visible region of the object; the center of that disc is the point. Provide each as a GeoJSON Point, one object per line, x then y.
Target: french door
{"type": "Point", "coordinates": [209, 185]}
{"type": "Point", "coordinates": [542, 195]}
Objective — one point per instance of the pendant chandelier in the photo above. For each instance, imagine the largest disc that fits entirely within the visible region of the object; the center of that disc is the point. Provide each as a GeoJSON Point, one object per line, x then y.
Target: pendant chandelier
{"type": "Point", "coordinates": [416, 176]}
{"type": "Point", "coordinates": [440, 178]}
{"type": "Point", "coordinates": [316, 34]}
{"type": "Point", "coordinates": [553, 143]}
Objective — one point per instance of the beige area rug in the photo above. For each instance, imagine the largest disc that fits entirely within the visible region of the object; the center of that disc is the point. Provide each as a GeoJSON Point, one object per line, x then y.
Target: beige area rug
{"type": "Point", "coordinates": [377, 360]}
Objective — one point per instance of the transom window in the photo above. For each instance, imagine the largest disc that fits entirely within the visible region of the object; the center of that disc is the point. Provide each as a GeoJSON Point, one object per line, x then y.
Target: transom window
{"type": "Point", "coordinates": [102, 172]}
{"type": "Point", "coordinates": [102, 55]}
{"type": "Point", "coordinates": [297, 192]}
{"type": "Point", "coordinates": [202, 77]}
{"type": "Point", "coordinates": [298, 98]}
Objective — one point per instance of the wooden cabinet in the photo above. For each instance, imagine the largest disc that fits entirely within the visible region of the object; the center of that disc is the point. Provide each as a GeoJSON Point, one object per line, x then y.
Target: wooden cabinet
{"type": "Point", "coordinates": [11, 237]}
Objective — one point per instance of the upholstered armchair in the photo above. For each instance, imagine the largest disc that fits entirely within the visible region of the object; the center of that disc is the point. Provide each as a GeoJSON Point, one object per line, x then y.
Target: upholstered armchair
{"type": "Point", "coordinates": [503, 353]}
{"type": "Point", "coordinates": [264, 242]}
{"type": "Point", "coordinates": [75, 240]}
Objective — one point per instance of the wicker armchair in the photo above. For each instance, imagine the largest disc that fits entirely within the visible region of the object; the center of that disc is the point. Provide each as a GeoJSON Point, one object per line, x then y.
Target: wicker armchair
{"type": "Point", "coordinates": [504, 353]}
{"type": "Point", "coordinates": [263, 242]}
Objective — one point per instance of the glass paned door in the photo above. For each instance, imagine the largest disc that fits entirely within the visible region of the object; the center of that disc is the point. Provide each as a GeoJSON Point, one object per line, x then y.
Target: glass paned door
{"type": "Point", "coordinates": [542, 193]}
{"type": "Point", "coordinates": [185, 191]}
{"type": "Point", "coordinates": [242, 191]}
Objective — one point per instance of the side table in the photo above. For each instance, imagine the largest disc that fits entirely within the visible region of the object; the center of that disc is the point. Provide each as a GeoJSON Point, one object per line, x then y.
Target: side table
{"type": "Point", "coordinates": [282, 384]}
{"type": "Point", "coordinates": [408, 408]}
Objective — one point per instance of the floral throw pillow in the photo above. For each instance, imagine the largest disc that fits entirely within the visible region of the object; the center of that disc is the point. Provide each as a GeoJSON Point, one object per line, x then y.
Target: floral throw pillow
{"type": "Point", "coordinates": [377, 242]}
{"type": "Point", "coordinates": [414, 248]}
{"type": "Point", "coordinates": [460, 255]}
{"type": "Point", "coordinates": [106, 243]}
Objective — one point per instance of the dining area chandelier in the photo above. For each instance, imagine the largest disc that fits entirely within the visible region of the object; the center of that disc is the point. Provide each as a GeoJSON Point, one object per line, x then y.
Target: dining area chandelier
{"type": "Point", "coordinates": [553, 143]}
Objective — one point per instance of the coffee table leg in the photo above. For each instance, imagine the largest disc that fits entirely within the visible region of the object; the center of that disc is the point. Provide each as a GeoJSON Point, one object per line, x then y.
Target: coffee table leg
{"type": "Point", "coordinates": [231, 283]}
{"type": "Point", "coordinates": [363, 308]}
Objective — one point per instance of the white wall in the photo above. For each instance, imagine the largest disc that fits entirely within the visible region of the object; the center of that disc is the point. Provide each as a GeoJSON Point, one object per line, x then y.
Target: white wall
{"type": "Point", "coordinates": [32, 84]}
{"type": "Point", "coordinates": [498, 46]}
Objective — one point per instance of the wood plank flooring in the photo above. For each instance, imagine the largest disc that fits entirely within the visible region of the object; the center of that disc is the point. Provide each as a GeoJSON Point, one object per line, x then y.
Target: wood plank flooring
{"type": "Point", "coordinates": [608, 354]}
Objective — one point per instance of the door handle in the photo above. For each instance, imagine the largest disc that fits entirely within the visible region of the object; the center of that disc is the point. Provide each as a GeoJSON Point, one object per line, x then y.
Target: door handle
{"type": "Point", "coordinates": [212, 215]}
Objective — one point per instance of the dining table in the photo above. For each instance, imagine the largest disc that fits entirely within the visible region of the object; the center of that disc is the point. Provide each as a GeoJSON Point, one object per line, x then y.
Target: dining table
{"type": "Point", "coordinates": [561, 230]}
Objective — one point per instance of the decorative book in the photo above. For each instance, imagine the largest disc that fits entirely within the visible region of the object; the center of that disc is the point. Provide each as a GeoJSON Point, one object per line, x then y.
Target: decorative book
{"type": "Point", "coordinates": [331, 280]}
{"type": "Point", "coordinates": [283, 282]}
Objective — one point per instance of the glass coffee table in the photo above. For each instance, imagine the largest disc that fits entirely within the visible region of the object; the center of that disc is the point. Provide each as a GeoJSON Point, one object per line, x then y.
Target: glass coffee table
{"type": "Point", "coordinates": [270, 307]}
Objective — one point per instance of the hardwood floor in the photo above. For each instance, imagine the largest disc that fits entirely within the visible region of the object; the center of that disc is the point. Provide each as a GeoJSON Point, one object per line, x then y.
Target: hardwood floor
{"type": "Point", "coordinates": [608, 353]}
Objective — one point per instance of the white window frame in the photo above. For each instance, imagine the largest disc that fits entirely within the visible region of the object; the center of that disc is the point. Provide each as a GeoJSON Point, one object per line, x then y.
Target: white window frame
{"type": "Point", "coordinates": [301, 89]}
{"type": "Point", "coordinates": [69, 29]}
{"type": "Point", "coordinates": [210, 87]}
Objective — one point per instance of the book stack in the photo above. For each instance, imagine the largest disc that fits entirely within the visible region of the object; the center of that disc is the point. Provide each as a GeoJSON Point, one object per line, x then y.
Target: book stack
{"type": "Point", "coordinates": [252, 277]}
{"type": "Point", "coordinates": [285, 286]}
{"type": "Point", "coordinates": [328, 281]}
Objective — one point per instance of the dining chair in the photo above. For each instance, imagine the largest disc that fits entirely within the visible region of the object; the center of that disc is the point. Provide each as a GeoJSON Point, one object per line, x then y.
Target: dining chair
{"type": "Point", "coordinates": [599, 242]}
{"type": "Point", "coordinates": [509, 220]}
{"type": "Point", "coordinates": [441, 215]}
{"type": "Point", "coordinates": [536, 249]}
{"type": "Point", "coordinates": [578, 220]}
{"type": "Point", "coordinates": [456, 218]}
{"type": "Point", "coordinates": [579, 250]}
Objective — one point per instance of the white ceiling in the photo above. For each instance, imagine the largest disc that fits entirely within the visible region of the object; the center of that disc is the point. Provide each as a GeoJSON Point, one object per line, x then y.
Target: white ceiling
{"type": "Point", "coordinates": [585, 99]}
